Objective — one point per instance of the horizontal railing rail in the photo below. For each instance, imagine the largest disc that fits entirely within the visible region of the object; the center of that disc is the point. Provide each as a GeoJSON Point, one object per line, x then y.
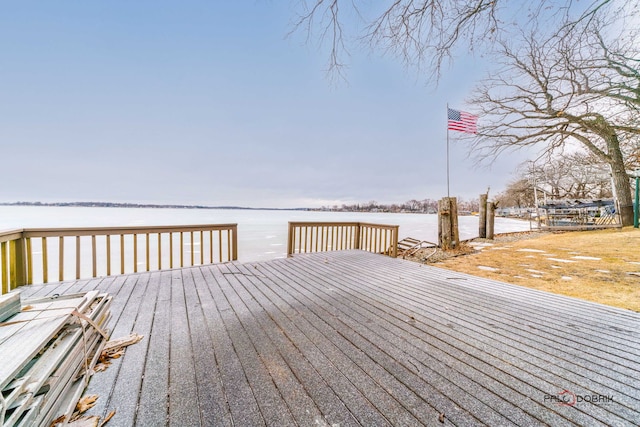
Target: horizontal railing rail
{"type": "Point", "coordinates": [37, 255]}
{"type": "Point", "coordinates": [305, 237]}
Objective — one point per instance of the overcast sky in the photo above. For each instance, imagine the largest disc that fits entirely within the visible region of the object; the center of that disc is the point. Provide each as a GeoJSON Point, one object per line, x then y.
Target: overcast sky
{"type": "Point", "coordinates": [209, 102]}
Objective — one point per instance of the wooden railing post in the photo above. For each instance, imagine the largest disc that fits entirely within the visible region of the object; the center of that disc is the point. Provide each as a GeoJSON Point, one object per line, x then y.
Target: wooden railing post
{"type": "Point", "coordinates": [4, 273]}
{"type": "Point", "coordinates": [357, 243]}
{"type": "Point", "coordinates": [394, 242]}
{"type": "Point", "coordinates": [290, 237]}
{"type": "Point", "coordinates": [18, 263]}
{"type": "Point", "coordinates": [234, 230]}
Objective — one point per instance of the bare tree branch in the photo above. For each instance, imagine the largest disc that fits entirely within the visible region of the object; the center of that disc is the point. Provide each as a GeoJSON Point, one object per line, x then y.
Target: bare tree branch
{"type": "Point", "coordinates": [564, 90]}
{"type": "Point", "coordinates": [427, 33]}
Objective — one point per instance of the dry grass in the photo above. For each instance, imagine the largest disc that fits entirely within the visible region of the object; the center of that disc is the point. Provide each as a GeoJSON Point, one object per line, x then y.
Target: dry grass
{"type": "Point", "coordinates": [601, 266]}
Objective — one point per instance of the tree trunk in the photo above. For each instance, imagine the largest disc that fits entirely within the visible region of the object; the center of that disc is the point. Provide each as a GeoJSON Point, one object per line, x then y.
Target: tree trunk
{"type": "Point", "coordinates": [623, 194]}
{"type": "Point", "coordinates": [621, 186]}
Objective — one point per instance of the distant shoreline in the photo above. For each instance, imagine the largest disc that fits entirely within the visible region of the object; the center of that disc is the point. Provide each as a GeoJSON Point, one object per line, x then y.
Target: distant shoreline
{"type": "Point", "coordinates": [365, 209]}
{"type": "Point", "coordinates": [140, 205]}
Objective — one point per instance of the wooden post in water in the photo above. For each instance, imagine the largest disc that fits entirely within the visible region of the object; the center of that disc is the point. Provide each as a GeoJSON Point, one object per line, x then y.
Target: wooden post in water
{"type": "Point", "coordinates": [448, 236]}
{"type": "Point", "coordinates": [491, 219]}
{"type": "Point", "coordinates": [482, 219]}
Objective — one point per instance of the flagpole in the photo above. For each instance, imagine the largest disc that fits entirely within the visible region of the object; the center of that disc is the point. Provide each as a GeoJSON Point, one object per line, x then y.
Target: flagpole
{"type": "Point", "coordinates": [447, 149]}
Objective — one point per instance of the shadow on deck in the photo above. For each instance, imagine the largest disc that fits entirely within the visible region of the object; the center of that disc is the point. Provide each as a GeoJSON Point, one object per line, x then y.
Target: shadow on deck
{"type": "Point", "coordinates": [353, 338]}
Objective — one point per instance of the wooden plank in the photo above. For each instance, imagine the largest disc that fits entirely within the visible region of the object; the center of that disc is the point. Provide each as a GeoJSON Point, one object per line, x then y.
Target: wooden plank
{"type": "Point", "coordinates": [29, 419]}
{"type": "Point", "coordinates": [598, 319]}
{"type": "Point", "coordinates": [271, 405]}
{"type": "Point", "coordinates": [402, 353]}
{"type": "Point", "coordinates": [9, 305]}
{"type": "Point", "coordinates": [532, 322]}
{"type": "Point", "coordinates": [378, 327]}
{"type": "Point", "coordinates": [294, 347]}
{"type": "Point", "coordinates": [49, 289]}
{"type": "Point", "coordinates": [153, 400]}
{"type": "Point", "coordinates": [368, 402]}
{"type": "Point", "coordinates": [384, 390]}
{"type": "Point", "coordinates": [63, 348]}
{"type": "Point", "coordinates": [183, 392]}
{"type": "Point", "coordinates": [353, 338]}
{"type": "Point", "coordinates": [124, 309]}
{"type": "Point", "coordinates": [212, 398]}
{"type": "Point", "coordinates": [513, 355]}
{"type": "Point", "coordinates": [66, 385]}
{"type": "Point", "coordinates": [137, 317]}
{"type": "Point", "coordinates": [582, 347]}
{"type": "Point", "coordinates": [299, 404]}
{"type": "Point", "coordinates": [476, 297]}
{"type": "Point", "coordinates": [54, 291]}
{"type": "Point", "coordinates": [58, 361]}
{"type": "Point", "coordinates": [242, 403]}
{"type": "Point", "coordinates": [26, 338]}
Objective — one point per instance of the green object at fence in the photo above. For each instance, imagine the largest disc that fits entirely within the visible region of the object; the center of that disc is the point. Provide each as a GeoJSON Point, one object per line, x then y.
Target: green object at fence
{"type": "Point", "coordinates": [637, 204]}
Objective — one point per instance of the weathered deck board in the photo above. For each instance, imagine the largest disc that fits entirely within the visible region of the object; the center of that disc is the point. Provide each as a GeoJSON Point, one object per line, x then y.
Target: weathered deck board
{"type": "Point", "coordinates": [518, 363]}
{"type": "Point", "coordinates": [320, 399]}
{"type": "Point", "coordinates": [368, 331]}
{"type": "Point", "coordinates": [129, 375]}
{"type": "Point", "coordinates": [122, 306]}
{"type": "Point", "coordinates": [352, 338]}
{"type": "Point", "coordinates": [154, 393]}
{"type": "Point", "coordinates": [316, 349]}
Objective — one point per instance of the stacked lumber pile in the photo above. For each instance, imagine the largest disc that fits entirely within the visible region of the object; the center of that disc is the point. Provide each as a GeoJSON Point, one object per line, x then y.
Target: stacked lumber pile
{"type": "Point", "coordinates": [48, 348]}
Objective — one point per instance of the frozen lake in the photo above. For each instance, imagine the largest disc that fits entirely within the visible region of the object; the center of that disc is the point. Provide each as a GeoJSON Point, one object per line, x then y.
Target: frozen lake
{"type": "Point", "coordinates": [262, 234]}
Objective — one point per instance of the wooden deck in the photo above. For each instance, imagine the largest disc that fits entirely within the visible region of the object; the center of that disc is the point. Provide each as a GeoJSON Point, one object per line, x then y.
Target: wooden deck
{"type": "Point", "coordinates": [353, 338]}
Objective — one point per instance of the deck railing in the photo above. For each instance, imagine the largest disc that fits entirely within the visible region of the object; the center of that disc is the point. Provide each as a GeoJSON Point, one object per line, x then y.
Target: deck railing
{"type": "Point", "coordinates": [304, 237]}
{"type": "Point", "coordinates": [41, 255]}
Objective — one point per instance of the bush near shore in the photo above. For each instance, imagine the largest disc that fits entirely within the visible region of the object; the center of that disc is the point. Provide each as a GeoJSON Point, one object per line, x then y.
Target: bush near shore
{"type": "Point", "coordinates": [602, 266]}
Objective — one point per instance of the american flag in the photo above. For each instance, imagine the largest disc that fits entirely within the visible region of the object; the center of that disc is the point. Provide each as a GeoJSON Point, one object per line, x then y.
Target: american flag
{"type": "Point", "coordinates": [461, 121]}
